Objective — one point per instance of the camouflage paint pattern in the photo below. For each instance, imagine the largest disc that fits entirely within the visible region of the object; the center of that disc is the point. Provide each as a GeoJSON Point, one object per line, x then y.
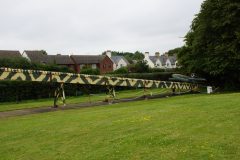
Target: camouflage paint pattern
{"type": "Point", "coordinates": [8, 74]}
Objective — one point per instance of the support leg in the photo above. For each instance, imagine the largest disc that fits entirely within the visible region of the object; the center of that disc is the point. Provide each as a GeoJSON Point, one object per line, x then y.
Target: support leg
{"type": "Point", "coordinates": [59, 92]}
{"type": "Point", "coordinates": [173, 90]}
{"type": "Point", "coordinates": [145, 93]}
{"type": "Point", "coordinates": [111, 93]}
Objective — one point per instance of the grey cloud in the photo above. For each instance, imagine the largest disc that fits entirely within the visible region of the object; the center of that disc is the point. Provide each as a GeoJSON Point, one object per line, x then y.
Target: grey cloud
{"type": "Point", "coordinates": [92, 26]}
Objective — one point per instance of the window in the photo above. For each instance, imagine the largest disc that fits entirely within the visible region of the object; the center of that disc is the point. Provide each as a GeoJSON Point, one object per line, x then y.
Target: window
{"type": "Point", "coordinates": [94, 66]}
{"type": "Point", "coordinates": [82, 66]}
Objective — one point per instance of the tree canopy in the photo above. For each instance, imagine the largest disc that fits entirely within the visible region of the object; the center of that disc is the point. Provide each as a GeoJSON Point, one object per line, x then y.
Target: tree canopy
{"type": "Point", "coordinates": [138, 56]}
{"type": "Point", "coordinates": [212, 46]}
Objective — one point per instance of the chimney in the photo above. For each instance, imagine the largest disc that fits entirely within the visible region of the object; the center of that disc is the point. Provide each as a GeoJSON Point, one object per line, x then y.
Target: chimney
{"type": "Point", "coordinates": [157, 54]}
{"type": "Point", "coordinates": [146, 54]}
{"type": "Point", "coordinates": [108, 53]}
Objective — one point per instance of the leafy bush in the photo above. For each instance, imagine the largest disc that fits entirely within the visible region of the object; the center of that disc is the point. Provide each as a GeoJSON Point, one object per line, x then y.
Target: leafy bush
{"type": "Point", "coordinates": [121, 70]}
{"type": "Point", "coordinates": [139, 67]}
{"type": "Point", "coordinates": [90, 71]}
{"type": "Point", "coordinates": [23, 63]}
{"type": "Point", "coordinates": [17, 91]}
{"type": "Point", "coordinates": [152, 70]}
{"type": "Point", "coordinates": [164, 76]}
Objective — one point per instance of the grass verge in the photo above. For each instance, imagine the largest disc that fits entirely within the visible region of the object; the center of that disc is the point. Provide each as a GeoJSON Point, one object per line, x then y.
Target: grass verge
{"type": "Point", "coordinates": [183, 127]}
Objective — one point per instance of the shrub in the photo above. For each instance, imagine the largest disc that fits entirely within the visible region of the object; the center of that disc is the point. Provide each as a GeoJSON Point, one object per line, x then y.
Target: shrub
{"type": "Point", "coordinates": [23, 63]}
{"type": "Point", "coordinates": [164, 76]}
{"type": "Point", "coordinates": [90, 71]}
{"type": "Point", "coordinates": [121, 70]}
{"type": "Point", "coordinates": [139, 67]}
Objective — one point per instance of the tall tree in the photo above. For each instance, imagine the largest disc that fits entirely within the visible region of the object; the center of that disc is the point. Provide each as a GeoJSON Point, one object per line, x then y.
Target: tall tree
{"type": "Point", "coordinates": [128, 55]}
{"type": "Point", "coordinates": [213, 44]}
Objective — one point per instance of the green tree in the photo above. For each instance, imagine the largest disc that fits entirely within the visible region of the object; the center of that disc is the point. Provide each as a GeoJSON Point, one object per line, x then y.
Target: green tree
{"type": "Point", "coordinates": [174, 51]}
{"type": "Point", "coordinates": [121, 70]}
{"type": "Point", "coordinates": [139, 67]}
{"type": "Point", "coordinates": [44, 52]}
{"type": "Point", "coordinates": [212, 46]}
{"type": "Point", "coordinates": [139, 56]}
{"type": "Point", "coordinates": [128, 55]}
{"type": "Point", "coordinates": [90, 71]}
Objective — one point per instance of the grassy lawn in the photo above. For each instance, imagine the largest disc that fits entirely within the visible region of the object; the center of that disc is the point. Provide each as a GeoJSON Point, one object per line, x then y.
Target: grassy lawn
{"type": "Point", "coordinates": [74, 100]}
{"type": "Point", "coordinates": [184, 127]}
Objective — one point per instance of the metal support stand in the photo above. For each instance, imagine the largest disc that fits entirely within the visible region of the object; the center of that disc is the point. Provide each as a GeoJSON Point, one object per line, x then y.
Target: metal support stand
{"type": "Point", "coordinates": [145, 93]}
{"type": "Point", "coordinates": [111, 94]}
{"type": "Point", "coordinates": [173, 90]}
{"type": "Point", "coordinates": [59, 92]}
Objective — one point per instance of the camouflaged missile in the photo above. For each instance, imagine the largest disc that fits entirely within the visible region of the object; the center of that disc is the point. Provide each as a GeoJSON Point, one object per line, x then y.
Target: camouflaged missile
{"type": "Point", "coordinates": [9, 74]}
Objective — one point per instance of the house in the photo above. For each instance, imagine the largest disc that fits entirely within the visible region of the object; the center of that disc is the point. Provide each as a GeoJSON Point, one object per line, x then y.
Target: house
{"type": "Point", "coordinates": [101, 62]}
{"type": "Point", "coordinates": [173, 60]}
{"type": "Point", "coordinates": [153, 61]}
{"type": "Point", "coordinates": [169, 62]}
{"type": "Point", "coordinates": [9, 54]}
{"type": "Point", "coordinates": [156, 60]}
{"type": "Point", "coordinates": [61, 60]}
{"type": "Point", "coordinates": [35, 56]}
{"type": "Point", "coordinates": [164, 61]}
{"type": "Point", "coordinates": [118, 61]}
{"type": "Point", "coordinates": [43, 58]}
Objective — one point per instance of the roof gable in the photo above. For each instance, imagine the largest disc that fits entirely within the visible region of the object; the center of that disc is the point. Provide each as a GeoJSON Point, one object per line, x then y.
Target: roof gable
{"type": "Point", "coordinates": [163, 59]}
{"type": "Point", "coordinates": [173, 59]}
{"type": "Point", "coordinates": [117, 59]}
{"type": "Point", "coordinates": [36, 56]}
{"type": "Point", "coordinates": [154, 59]}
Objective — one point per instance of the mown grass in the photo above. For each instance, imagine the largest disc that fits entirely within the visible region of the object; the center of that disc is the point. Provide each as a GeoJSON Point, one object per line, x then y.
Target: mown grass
{"type": "Point", "coordinates": [184, 127]}
{"type": "Point", "coordinates": [74, 100]}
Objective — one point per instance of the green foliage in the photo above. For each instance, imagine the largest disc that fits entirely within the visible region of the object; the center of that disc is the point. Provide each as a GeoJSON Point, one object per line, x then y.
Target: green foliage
{"type": "Point", "coordinates": [121, 70]}
{"type": "Point", "coordinates": [139, 67]}
{"type": "Point", "coordinates": [151, 76]}
{"type": "Point", "coordinates": [23, 63]}
{"type": "Point", "coordinates": [16, 63]}
{"type": "Point", "coordinates": [17, 91]}
{"type": "Point", "coordinates": [174, 51]}
{"type": "Point", "coordinates": [138, 56]}
{"type": "Point", "coordinates": [90, 71]}
{"type": "Point", "coordinates": [152, 70]}
{"type": "Point", "coordinates": [213, 43]}
{"type": "Point", "coordinates": [44, 52]}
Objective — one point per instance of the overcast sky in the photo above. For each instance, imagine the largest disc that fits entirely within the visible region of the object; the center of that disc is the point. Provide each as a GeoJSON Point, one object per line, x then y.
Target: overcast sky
{"type": "Point", "coordinates": [93, 26]}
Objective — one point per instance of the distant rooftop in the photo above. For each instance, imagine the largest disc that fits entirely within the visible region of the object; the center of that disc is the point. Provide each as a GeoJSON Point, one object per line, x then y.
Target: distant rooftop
{"type": "Point", "coordinates": [10, 54]}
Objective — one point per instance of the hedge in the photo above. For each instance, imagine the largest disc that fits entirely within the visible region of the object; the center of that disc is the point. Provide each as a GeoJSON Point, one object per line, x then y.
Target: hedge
{"type": "Point", "coordinates": [15, 91]}
{"type": "Point", "coordinates": [164, 76]}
